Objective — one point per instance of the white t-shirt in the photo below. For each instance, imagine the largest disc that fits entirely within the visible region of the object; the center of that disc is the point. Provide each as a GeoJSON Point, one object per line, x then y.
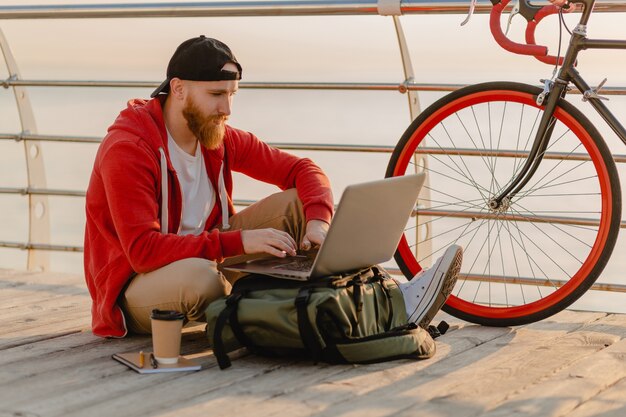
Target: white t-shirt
{"type": "Point", "coordinates": [198, 193]}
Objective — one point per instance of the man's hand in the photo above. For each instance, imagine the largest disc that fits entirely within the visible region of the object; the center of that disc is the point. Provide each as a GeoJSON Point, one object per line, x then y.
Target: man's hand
{"type": "Point", "coordinates": [316, 231]}
{"type": "Point", "coordinates": [272, 241]}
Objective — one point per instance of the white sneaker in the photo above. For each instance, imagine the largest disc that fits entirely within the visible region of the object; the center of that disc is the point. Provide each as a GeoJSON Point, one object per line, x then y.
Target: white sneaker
{"type": "Point", "coordinates": [428, 291]}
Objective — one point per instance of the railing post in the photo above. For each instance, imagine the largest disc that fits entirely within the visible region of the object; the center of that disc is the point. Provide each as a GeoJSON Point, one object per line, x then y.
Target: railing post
{"type": "Point", "coordinates": [39, 219]}
{"type": "Point", "coordinates": [422, 231]}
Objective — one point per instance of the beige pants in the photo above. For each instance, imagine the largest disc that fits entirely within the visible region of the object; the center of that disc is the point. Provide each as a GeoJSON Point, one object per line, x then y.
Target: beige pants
{"type": "Point", "coordinates": [189, 285]}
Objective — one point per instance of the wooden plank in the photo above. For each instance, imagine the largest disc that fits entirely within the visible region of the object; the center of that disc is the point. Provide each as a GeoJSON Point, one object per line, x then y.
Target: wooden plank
{"type": "Point", "coordinates": [116, 391]}
{"type": "Point", "coordinates": [477, 370]}
{"type": "Point", "coordinates": [41, 327]}
{"type": "Point", "coordinates": [13, 278]}
{"type": "Point", "coordinates": [106, 387]}
{"type": "Point", "coordinates": [43, 309]}
{"type": "Point", "coordinates": [53, 355]}
{"type": "Point", "coordinates": [286, 385]}
{"type": "Point", "coordinates": [66, 343]}
{"type": "Point", "coordinates": [482, 386]}
{"type": "Point", "coordinates": [400, 385]}
{"type": "Point", "coordinates": [609, 403]}
{"type": "Point", "coordinates": [28, 293]}
{"type": "Point", "coordinates": [66, 371]}
{"type": "Point", "coordinates": [594, 385]}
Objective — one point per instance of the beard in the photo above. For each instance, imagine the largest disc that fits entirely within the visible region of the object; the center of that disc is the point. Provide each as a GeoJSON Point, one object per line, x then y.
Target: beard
{"type": "Point", "coordinates": [209, 130]}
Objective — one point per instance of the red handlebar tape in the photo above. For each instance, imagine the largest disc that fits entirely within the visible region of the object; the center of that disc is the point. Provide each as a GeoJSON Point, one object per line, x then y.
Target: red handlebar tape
{"type": "Point", "coordinates": [531, 48]}
{"type": "Point", "coordinates": [530, 33]}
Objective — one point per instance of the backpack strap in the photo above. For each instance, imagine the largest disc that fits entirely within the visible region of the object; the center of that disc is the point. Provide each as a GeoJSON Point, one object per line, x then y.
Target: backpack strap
{"type": "Point", "coordinates": [218, 343]}
{"type": "Point", "coordinates": [307, 333]}
{"type": "Point", "coordinates": [357, 298]}
{"type": "Point", "coordinates": [384, 285]}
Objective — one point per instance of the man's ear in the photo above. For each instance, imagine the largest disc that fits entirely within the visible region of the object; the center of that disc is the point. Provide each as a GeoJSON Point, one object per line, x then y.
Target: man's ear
{"type": "Point", "coordinates": [177, 88]}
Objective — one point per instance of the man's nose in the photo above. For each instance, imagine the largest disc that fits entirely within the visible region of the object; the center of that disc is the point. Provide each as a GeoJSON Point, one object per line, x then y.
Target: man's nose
{"type": "Point", "coordinates": [225, 106]}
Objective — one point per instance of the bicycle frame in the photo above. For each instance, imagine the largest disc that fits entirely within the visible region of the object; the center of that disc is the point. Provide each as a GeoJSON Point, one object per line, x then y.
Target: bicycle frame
{"type": "Point", "coordinates": [567, 74]}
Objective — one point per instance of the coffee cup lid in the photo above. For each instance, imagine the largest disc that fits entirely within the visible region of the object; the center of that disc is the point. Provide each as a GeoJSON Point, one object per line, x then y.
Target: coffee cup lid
{"type": "Point", "coordinates": [168, 315]}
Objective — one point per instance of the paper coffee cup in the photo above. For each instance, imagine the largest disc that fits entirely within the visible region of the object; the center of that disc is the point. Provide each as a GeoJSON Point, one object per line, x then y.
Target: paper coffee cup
{"type": "Point", "coordinates": [166, 334]}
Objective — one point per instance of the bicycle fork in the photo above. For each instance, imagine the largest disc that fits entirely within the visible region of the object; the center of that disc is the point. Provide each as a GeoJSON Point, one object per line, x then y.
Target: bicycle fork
{"type": "Point", "coordinates": [546, 126]}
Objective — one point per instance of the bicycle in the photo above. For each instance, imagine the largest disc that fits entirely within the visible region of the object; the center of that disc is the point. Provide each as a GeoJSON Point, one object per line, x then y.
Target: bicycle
{"type": "Point", "coordinates": [524, 182]}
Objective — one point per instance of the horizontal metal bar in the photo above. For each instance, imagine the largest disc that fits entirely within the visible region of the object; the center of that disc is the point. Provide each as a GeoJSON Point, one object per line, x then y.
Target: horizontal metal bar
{"type": "Point", "coordinates": [475, 215]}
{"type": "Point", "coordinates": [400, 87]}
{"type": "Point", "coordinates": [40, 246]}
{"type": "Point", "coordinates": [335, 147]}
{"type": "Point", "coordinates": [332, 147]}
{"type": "Point", "coordinates": [50, 138]}
{"type": "Point", "coordinates": [523, 281]}
{"type": "Point", "coordinates": [537, 282]}
{"type": "Point", "coordinates": [509, 153]}
{"type": "Point", "coordinates": [281, 145]}
{"type": "Point", "coordinates": [43, 191]}
{"type": "Point", "coordinates": [252, 8]}
{"type": "Point", "coordinates": [231, 8]}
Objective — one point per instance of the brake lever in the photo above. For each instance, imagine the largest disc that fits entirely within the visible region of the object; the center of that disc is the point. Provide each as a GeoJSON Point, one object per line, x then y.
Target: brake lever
{"type": "Point", "coordinates": [470, 12]}
{"type": "Point", "coordinates": [514, 11]}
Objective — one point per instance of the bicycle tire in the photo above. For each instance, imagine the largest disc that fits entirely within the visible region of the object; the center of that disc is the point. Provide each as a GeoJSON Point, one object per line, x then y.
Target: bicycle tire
{"type": "Point", "coordinates": [452, 124]}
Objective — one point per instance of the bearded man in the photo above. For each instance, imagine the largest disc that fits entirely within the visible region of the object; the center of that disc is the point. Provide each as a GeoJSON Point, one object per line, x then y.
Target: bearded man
{"type": "Point", "coordinates": [160, 217]}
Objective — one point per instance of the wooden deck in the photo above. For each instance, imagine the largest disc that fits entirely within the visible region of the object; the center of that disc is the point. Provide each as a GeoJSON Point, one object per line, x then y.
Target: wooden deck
{"type": "Point", "coordinates": [573, 364]}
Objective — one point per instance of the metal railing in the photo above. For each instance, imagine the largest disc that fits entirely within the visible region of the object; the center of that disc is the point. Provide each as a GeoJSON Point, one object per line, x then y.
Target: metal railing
{"type": "Point", "coordinates": [260, 8]}
{"type": "Point", "coordinates": [38, 244]}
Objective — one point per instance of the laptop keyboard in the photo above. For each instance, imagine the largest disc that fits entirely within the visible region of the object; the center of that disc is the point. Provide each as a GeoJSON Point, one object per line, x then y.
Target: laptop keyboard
{"type": "Point", "coordinates": [298, 265]}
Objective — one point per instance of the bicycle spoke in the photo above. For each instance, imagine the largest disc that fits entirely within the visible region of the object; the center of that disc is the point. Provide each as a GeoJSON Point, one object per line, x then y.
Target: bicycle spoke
{"type": "Point", "coordinates": [521, 287]}
{"type": "Point", "coordinates": [488, 241]}
{"type": "Point", "coordinates": [557, 264]}
{"type": "Point", "coordinates": [490, 167]}
{"type": "Point", "coordinates": [471, 180]}
{"type": "Point", "coordinates": [564, 195]}
{"type": "Point", "coordinates": [563, 231]}
{"type": "Point", "coordinates": [523, 247]}
{"type": "Point", "coordinates": [519, 134]}
{"type": "Point", "coordinates": [445, 233]}
{"type": "Point", "coordinates": [506, 293]}
{"type": "Point", "coordinates": [540, 155]}
{"type": "Point", "coordinates": [482, 157]}
{"type": "Point", "coordinates": [536, 184]}
{"type": "Point", "coordinates": [550, 237]}
{"type": "Point", "coordinates": [495, 162]}
{"type": "Point", "coordinates": [471, 268]}
{"type": "Point", "coordinates": [559, 184]}
{"type": "Point", "coordinates": [443, 216]}
{"type": "Point", "coordinates": [443, 175]}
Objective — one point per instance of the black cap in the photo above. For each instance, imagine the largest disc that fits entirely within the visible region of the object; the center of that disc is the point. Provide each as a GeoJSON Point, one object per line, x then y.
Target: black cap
{"type": "Point", "coordinates": [200, 59]}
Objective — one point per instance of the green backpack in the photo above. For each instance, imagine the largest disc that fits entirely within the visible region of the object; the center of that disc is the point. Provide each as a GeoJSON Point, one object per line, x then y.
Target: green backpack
{"type": "Point", "coordinates": [353, 318]}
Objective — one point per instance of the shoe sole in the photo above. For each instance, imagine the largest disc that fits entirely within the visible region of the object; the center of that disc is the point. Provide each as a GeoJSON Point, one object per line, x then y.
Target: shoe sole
{"type": "Point", "coordinates": [452, 258]}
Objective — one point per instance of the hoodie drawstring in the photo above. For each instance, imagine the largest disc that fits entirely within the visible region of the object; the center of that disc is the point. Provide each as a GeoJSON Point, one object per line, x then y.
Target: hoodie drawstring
{"type": "Point", "coordinates": [223, 199]}
{"type": "Point", "coordinates": [165, 195]}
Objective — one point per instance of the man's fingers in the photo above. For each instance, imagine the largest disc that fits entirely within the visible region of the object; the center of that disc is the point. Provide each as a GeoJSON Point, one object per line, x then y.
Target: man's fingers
{"type": "Point", "coordinates": [272, 241]}
{"type": "Point", "coordinates": [278, 243]}
{"type": "Point", "coordinates": [285, 242]}
{"type": "Point", "coordinates": [275, 252]}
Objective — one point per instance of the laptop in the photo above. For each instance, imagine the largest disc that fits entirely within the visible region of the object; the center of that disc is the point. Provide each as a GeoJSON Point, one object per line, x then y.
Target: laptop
{"type": "Point", "coordinates": [365, 230]}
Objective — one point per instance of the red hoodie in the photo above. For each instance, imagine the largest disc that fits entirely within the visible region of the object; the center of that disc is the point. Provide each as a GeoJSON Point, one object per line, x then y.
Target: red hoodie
{"type": "Point", "coordinates": [124, 206]}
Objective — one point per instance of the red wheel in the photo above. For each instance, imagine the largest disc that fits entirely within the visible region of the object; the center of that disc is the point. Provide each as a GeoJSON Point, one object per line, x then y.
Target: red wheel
{"type": "Point", "coordinates": [535, 256]}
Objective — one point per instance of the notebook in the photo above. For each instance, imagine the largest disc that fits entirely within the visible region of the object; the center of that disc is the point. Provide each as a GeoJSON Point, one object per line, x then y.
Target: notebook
{"type": "Point", "coordinates": [131, 359]}
{"type": "Point", "coordinates": [365, 230]}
